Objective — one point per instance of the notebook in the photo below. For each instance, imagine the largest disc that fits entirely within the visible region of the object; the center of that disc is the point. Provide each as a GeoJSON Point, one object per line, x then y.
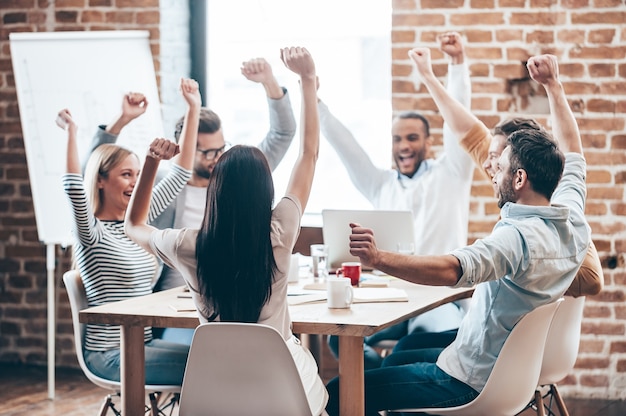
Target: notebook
{"type": "Point", "coordinates": [390, 228]}
{"type": "Point", "coordinates": [361, 295]}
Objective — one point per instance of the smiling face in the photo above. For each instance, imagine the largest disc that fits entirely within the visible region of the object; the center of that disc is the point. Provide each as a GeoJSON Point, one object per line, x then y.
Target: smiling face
{"type": "Point", "coordinates": [497, 145]}
{"type": "Point", "coordinates": [411, 144]}
{"type": "Point", "coordinates": [117, 187]}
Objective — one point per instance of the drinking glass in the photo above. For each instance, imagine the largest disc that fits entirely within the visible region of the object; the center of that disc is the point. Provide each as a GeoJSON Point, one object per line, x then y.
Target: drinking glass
{"type": "Point", "coordinates": [319, 259]}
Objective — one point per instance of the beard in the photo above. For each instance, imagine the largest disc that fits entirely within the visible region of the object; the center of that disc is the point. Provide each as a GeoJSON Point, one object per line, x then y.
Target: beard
{"type": "Point", "coordinates": [202, 172]}
{"type": "Point", "coordinates": [506, 192]}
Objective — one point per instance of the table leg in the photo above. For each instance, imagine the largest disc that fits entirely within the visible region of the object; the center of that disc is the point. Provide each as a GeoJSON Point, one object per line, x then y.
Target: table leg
{"type": "Point", "coordinates": [133, 370]}
{"type": "Point", "coordinates": [351, 378]}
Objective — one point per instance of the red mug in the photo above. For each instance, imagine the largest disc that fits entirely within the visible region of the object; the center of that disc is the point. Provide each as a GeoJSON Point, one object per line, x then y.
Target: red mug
{"type": "Point", "coordinates": [352, 270]}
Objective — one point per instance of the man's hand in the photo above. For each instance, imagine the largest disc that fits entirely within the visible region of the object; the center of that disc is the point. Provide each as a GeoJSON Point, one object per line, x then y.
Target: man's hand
{"type": "Point", "coordinates": [134, 105]}
{"type": "Point", "coordinates": [421, 57]}
{"type": "Point", "coordinates": [191, 92]}
{"type": "Point", "coordinates": [451, 43]}
{"type": "Point", "coordinates": [544, 69]}
{"type": "Point", "coordinates": [257, 70]}
{"type": "Point", "coordinates": [363, 245]}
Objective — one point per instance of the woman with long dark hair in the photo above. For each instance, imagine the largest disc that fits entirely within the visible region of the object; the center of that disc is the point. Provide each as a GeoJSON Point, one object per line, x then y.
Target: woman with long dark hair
{"type": "Point", "coordinates": [236, 264]}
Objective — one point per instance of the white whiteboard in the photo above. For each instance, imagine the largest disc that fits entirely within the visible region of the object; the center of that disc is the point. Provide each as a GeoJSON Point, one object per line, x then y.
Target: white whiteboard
{"type": "Point", "coordinates": [88, 73]}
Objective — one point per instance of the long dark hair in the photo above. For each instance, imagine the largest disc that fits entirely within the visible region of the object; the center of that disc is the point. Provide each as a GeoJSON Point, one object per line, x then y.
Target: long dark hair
{"type": "Point", "coordinates": [236, 263]}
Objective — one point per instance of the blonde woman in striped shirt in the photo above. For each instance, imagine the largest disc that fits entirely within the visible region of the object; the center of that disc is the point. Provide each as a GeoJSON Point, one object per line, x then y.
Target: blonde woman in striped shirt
{"type": "Point", "coordinates": [111, 266]}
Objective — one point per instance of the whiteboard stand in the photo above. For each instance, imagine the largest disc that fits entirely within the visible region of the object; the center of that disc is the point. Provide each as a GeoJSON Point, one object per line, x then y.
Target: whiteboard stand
{"type": "Point", "coordinates": [50, 260]}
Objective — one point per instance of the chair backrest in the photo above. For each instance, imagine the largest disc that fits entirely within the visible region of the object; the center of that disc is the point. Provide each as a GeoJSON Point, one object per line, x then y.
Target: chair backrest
{"type": "Point", "coordinates": [78, 301]}
{"type": "Point", "coordinates": [241, 369]}
{"type": "Point", "coordinates": [563, 341]}
{"type": "Point", "coordinates": [516, 371]}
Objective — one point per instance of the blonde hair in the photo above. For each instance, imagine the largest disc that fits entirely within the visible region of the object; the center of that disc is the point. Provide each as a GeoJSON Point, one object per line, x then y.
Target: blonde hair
{"type": "Point", "coordinates": [100, 163]}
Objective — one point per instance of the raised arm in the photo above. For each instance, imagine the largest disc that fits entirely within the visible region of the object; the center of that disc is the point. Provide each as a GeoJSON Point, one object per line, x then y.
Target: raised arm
{"type": "Point", "coordinates": [545, 70]}
{"type": "Point", "coordinates": [66, 122]}
{"type": "Point", "coordinates": [189, 135]}
{"type": "Point", "coordinates": [259, 70]}
{"type": "Point", "coordinates": [136, 221]}
{"type": "Point", "coordinates": [451, 44]}
{"type": "Point", "coordinates": [299, 60]}
{"type": "Point", "coordinates": [458, 118]}
{"type": "Point", "coordinates": [134, 104]}
{"type": "Point", "coordinates": [459, 87]}
{"type": "Point", "coordinates": [282, 121]}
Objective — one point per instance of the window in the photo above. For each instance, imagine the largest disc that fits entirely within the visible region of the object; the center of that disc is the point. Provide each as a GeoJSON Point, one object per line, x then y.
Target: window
{"type": "Point", "coordinates": [350, 42]}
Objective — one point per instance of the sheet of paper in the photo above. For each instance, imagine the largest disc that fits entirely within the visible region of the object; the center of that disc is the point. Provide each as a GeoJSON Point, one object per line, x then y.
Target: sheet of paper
{"type": "Point", "coordinates": [183, 304]}
{"type": "Point", "coordinates": [306, 298]}
{"type": "Point", "coordinates": [361, 295]}
{"type": "Point", "coordinates": [379, 294]}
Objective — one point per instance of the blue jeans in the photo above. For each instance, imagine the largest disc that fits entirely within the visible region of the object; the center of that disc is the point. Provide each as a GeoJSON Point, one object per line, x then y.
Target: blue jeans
{"type": "Point", "coordinates": [371, 358]}
{"type": "Point", "coordinates": [178, 335]}
{"type": "Point", "coordinates": [165, 362]}
{"type": "Point", "coordinates": [419, 340]}
{"type": "Point", "coordinates": [416, 385]}
{"type": "Point", "coordinates": [443, 318]}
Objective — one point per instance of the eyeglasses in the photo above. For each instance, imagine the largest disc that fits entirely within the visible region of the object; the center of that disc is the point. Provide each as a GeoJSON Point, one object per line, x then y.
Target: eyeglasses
{"type": "Point", "coordinates": [210, 154]}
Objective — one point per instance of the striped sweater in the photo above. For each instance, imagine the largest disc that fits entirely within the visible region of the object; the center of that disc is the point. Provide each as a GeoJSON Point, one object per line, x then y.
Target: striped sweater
{"type": "Point", "coordinates": [111, 266]}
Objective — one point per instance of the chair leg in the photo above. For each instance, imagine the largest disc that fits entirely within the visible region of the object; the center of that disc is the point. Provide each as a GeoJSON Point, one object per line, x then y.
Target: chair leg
{"type": "Point", "coordinates": [105, 405]}
{"type": "Point", "coordinates": [108, 404]}
{"type": "Point", "coordinates": [560, 404]}
{"type": "Point", "coordinates": [158, 403]}
{"type": "Point", "coordinates": [154, 403]}
{"type": "Point", "coordinates": [539, 403]}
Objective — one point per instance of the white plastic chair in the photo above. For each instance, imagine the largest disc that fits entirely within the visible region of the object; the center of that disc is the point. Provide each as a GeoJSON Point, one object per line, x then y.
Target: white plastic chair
{"type": "Point", "coordinates": [78, 301]}
{"type": "Point", "coordinates": [560, 354]}
{"type": "Point", "coordinates": [516, 372]}
{"type": "Point", "coordinates": [241, 369]}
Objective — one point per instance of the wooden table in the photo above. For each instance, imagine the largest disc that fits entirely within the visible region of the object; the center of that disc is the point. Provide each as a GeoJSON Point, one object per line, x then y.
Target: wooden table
{"type": "Point", "coordinates": [351, 325]}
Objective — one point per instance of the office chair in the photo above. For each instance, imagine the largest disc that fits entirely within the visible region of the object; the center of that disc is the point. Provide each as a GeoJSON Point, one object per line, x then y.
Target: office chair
{"type": "Point", "coordinates": [559, 356]}
{"type": "Point", "coordinates": [164, 396]}
{"type": "Point", "coordinates": [516, 372]}
{"type": "Point", "coordinates": [241, 369]}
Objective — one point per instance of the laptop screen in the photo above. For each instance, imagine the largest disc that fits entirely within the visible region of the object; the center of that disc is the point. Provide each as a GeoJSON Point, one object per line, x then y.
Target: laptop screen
{"type": "Point", "coordinates": [390, 228]}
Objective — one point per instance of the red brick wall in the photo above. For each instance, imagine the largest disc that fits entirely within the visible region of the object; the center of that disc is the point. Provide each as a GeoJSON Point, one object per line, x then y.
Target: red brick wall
{"type": "Point", "coordinates": [23, 275]}
{"type": "Point", "coordinates": [589, 38]}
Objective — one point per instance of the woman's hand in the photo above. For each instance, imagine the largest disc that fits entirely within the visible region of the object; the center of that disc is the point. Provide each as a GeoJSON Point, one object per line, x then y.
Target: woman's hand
{"type": "Point", "coordinates": [298, 60]}
{"type": "Point", "coordinates": [163, 149]}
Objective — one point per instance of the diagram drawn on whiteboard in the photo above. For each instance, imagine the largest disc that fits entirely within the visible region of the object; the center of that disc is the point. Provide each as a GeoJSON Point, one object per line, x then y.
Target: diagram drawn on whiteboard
{"type": "Point", "coordinates": [87, 73]}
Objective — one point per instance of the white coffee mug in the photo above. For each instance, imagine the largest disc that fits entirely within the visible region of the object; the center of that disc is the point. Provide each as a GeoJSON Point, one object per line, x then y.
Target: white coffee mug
{"type": "Point", "coordinates": [339, 292]}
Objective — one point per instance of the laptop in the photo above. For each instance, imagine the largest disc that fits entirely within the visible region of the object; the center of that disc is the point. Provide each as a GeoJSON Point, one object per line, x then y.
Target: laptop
{"type": "Point", "coordinates": [390, 228]}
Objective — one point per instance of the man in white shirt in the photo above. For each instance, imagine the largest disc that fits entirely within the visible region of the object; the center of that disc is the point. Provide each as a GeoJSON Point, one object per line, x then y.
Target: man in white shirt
{"type": "Point", "coordinates": [435, 190]}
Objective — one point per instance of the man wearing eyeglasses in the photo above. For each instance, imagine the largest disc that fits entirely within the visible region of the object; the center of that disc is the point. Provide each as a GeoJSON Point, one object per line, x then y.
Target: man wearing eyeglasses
{"type": "Point", "coordinates": [188, 208]}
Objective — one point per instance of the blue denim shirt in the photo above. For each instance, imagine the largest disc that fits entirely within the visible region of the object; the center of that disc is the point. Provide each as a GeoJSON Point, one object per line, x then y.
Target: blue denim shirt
{"type": "Point", "coordinates": [529, 260]}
